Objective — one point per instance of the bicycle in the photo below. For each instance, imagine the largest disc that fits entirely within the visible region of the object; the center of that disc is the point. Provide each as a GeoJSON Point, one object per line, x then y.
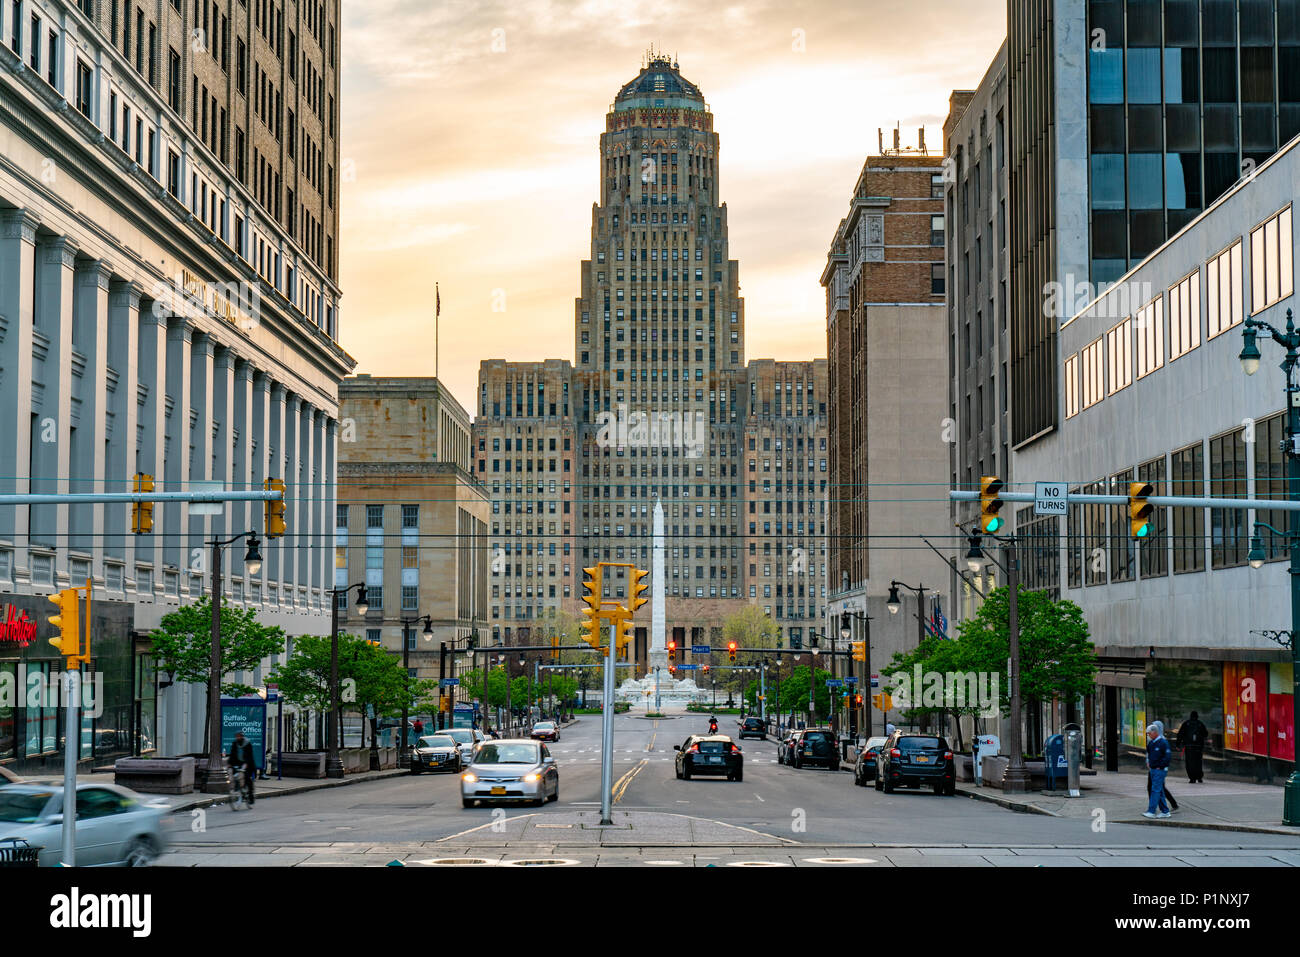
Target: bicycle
{"type": "Point", "coordinates": [240, 792]}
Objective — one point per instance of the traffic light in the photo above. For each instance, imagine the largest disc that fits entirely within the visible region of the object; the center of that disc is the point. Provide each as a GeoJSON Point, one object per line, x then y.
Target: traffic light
{"type": "Point", "coordinates": [705, 667]}
{"type": "Point", "coordinates": [1139, 509]}
{"type": "Point", "coordinates": [273, 511]}
{"type": "Point", "coordinates": [68, 622]}
{"type": "Point", "coordinates": [672, 669]}
{"type": "Point", "coordinates": [882, 701]}
{"type": "Point", "coordinates": [859, 651]}
{"type": "Point", "coordinates": [635, 588]}
{"type": "Point", "coordinates": [672, 652]}
{"type": "Point", "coordinates": [591, 614]}
{"type": "Point", "coordinates": [857, 701]}
{"type": "Point", "coordinates": [731, 652]}
{"type": "Point", "coordinates": [622, 636]}
{"type": "Point", "coordinates": [990, 489]}
{"type": "Point", "coordinates": [142, 512]}
{"type": "Point", "coordinates": [555, 647]}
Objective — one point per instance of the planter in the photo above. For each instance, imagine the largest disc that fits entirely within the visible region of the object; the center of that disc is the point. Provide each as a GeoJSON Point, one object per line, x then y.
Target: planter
{"type": "Point", "coordinates": [995, 767]}
{"type": "Point", "coordinates": [155, 775]}
{"type": "Point", "coordinates": [965, 768]}
{"type": "Point", "coordinates": [303, 764]}
{"type": "Point", "coordinates": [355, 760]}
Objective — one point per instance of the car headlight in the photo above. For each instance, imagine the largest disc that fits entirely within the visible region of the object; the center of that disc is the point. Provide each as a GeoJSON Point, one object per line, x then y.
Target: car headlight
{"type": "Point", "coordinates": [468, 777]}
{"type": "Point", "coordinates": [532, 778]}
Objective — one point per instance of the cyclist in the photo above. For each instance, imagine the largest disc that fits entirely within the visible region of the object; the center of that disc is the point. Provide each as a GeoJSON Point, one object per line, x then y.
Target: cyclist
{"type": "Point", "coordinates": [241, 759]}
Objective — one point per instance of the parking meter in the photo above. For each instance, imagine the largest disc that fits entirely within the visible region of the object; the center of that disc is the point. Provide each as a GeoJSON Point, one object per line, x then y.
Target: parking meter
{"type": "Point", "coordinates": [1073, 757]}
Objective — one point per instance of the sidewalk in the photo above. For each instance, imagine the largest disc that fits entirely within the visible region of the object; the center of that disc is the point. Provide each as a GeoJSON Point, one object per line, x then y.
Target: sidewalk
{"type": "Point", "coordinates": [1215, 805]}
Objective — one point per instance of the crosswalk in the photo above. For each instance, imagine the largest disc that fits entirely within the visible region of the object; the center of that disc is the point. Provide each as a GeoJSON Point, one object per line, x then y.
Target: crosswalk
{"type": "Point", "coordinates": [592, 755]}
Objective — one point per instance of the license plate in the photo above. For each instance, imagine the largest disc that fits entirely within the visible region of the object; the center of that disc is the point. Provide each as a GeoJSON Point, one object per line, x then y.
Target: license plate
{"type": "Point", "coordinates": [921, 759]}
{"type": "Point", "coordinates": [498, 790]}
{"type": "Point", "coordinates": [713, 760]}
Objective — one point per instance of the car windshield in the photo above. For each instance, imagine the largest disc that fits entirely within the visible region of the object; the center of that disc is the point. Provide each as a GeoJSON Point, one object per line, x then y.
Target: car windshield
{"type": "Point", "coordinates": [919, 744]}
{"type": "Point", "coordinates": [460, 735]}
{"type": "Point", "coordinates": [22, 807]}
{"type": "Point", "coordinates": [714, 747]}
{"type": "Point", "coordinates": [543, 726]}
{"type": "Point", "coordinates": [816, 737]}
{"type": "Point", "coordinates": [437, 741]}
{"type": "Point", "coordinates": [507, 754]}
{"type": "Point", "coordinates": [752, 723]}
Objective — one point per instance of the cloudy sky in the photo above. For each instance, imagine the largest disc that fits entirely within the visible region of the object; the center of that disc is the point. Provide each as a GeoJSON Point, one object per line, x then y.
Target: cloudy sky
{"type": "Point", "coordinates": [470, 153]}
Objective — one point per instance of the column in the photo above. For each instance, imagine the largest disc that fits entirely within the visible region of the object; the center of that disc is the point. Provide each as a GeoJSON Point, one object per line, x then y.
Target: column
{"type": "Point", "coordinates": [176, 445]}
{"type": "Point", "coordinates": [223, 437]}
{"type": "Point", "coordinates": [322, 521]}
{"type": "Point", "coordinates": [241, 432]}
{"type": "Point", "coordinates": [17, 276]}
{"type": "Point", "coordinates": [90, 386]}
{"type": "Point", "coordinates": [329, 486]}
{"type": "Point", "coordinates": [202, 354]}
{"type": "Point", "coordinates": [122, 420]}
{"type": "Point", "coordinates": [52, 385]}
{"type": "Point", "coordinates": [260, 454]}
{"type": "Point", "coordinates": [149, 442]}
{"type": "Point", "coordinates": [305, 501]}
{"type": "Point", "coordinates": [273, 554]}
{"type": "Point", "coordinates": [293, 494]}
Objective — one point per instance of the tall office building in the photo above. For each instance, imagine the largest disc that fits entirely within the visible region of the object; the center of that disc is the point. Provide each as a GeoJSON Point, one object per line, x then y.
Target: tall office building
{"type": "Point", "coordinates": [657, 400]}
{"type": "Point", "coordinates": [167, 305]}
{"type": "Point", "coordinates": [1127, 119]}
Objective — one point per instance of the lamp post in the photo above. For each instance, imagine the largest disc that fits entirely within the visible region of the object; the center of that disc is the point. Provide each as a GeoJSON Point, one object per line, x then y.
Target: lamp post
{"type": "Point", "coordinates": [406, 683]}
{"type": "Point", "coordinates": [333, 764]}
{"type": "Point", "coordinates": [846, 632]}
{"type": "Point", "coordinates": [1250, 358]}
{"type": "Point", "coordinates": [216, 780]}
{"type": "Point", "coordinates": [813, 652]}
{"type": "Point", "coordinates": [894, 604]}
{"type": "Point", "coordinates": [1016, 779]}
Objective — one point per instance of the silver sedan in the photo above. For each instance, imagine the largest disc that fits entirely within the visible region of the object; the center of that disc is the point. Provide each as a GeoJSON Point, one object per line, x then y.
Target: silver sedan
{"type": "Point", "coordinates": [511, 770]}
{"type": "Point", "coordinates": [114, 825]}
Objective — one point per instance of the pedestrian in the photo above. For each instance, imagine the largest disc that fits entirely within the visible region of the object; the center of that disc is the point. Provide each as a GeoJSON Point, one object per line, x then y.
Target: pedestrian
{"type": "Point", "coordinates": [1191, 738]}
{"type": "Point", "coordinates": [889, 729]}
{"type": "Point", "coordinates": [1158, 765]}
{"type": "Point", "coordinates": [241, 758]}
{"type": "Point", "coordinates": [1173, 803]}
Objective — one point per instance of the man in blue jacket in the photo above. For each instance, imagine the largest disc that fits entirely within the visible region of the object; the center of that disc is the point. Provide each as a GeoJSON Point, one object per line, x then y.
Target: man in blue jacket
{"type": "Point", "coordinates": [1158, 762]}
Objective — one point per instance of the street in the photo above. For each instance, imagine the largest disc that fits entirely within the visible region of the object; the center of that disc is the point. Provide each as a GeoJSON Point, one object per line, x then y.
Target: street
{"type": "Point", "coordinates": [777, 815]}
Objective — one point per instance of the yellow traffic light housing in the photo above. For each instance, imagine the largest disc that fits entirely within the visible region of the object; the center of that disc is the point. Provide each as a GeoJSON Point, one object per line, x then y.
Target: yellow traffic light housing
{"type": "Point", "coordinates": [1139, 509]}
{"type": "Point", "coordinates": [859, 651]}
{"type": "Point", "coordinates": [731, 652]}
{"type": "Point", "coordinates": [591, 614]}
{"type": "Point", "coordinates": [635, 588]}
{"type": "Point", "coordinates": [672, 652]}
{"type": "Point", "coordinates": [622, 636]}
{"type": "Point", "coordinates": [555, 647]}
{"type": "Point", "coordinates": [67, 621]}
{"type": "Point", "coordinates": [990, 488]}
{"type": "Point", "coordinates": [142, 512]}
{"type": "Point", "coordinates": [273, 510]}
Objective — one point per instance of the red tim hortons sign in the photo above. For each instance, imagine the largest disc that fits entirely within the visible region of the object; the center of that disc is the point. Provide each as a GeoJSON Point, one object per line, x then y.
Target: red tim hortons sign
{"type": "Point", "coordinates": [16, 627]}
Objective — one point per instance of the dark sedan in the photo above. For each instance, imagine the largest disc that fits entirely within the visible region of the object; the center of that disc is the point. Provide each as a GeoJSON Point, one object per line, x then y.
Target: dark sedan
{"type": "Point", "coordinates": [709, 754]}
{"type": "Point", "coordinates": [753, 727]}
{"type": "Point", "coordinates": [435, 752]}
{"type": "Point", "coordinates": [864, 767]}
{"type": "Point", "coordinates": [784, 747]}
{"type": "Point", "coordinates": [916, 760]}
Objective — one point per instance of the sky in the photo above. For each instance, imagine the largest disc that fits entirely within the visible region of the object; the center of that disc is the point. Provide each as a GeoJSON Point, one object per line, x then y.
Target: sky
{"type": "Point", "coordinates": [470, 154]}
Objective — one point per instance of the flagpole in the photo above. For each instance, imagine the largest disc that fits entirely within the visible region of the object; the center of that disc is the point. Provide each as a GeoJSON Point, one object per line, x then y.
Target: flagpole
{"type": "Point", "coordinates": [437, 339]}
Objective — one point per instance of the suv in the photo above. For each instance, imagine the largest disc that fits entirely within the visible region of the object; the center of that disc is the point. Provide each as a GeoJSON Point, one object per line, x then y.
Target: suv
{"type": "Point", "coordinates": [753, 728]}
{"type": "Point", "coordinates": [908, 759]}
{"type": "Point", "coordinates": [784, 744]}
{"type": "Point", "coordinates": [709, 754]}
{"type": "Point", "coordinates": [814, 746]}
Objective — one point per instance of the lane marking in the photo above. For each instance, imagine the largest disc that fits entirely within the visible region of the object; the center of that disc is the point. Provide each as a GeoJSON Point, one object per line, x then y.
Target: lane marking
{"type": "Point", "coordinates": [621, 785]}
{"type": "Point", "coordinates": [760, 798]}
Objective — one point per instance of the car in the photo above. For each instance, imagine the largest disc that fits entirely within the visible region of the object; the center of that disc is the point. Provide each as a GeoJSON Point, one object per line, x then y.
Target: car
{"type": "Point", "coordinates": [545, 731]}
{"type": "Point", "coordinates": [908, 759]}
{"type": "Point", "coordinates": [784, 754]}
{"type": "Point", "coordinates": [814, 746]}
{"type": "Point", "coordinates": [467, 739]}
{"type": "Point", "coordinates": [512, 769]}
{"type": "Point", "coordinates": [864, 765]}
{"type": "Point", "coordinates": [115, 826]}
{"type": "Point", "coordinates": [436, 752]}
{"type": "Point", "coordinates": [8, 777]}
{"type": "Point", "coordinates": [753, 728]}
{"type": "Point", "coordinates": [709, 754]}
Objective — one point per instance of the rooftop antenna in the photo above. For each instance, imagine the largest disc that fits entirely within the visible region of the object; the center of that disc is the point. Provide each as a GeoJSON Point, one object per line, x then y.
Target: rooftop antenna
{"type": "Point", "coordinates": [920, 138]}
{"type": "Point", "coordinates": [896, 132]}
{"type": "Point", "coordinates": [880, 136]}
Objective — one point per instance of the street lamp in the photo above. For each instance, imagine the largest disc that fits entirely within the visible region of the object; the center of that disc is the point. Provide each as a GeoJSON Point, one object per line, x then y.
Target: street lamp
{"type": "Point", "coordinates": [846, 631]}
{"type": "Point", "coordinates": [974, 556]}
{"type": "Point", "coordinates": [1250, 358]}
{"type": "Point", "coordinates": [406, 685]}
{"type": "Point", "coordinates": [216, 781]}
{"type": "Point", "coordinates": [894, 604]}
{"type": "Point", "coordinates": [333, 764]}
{"type": "Point", "coordinates": [1016, 778]}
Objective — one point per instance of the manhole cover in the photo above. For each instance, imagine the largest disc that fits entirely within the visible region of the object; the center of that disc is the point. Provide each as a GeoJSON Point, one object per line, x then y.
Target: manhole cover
{"type": "Point", "coordinates": [840, 860]}
{"type": "Point", "coordinates": [456, 862]}
{"type": "Point", "coordinates": [540, 862]}
{"type": "Point", "coordinates": [757, 864]}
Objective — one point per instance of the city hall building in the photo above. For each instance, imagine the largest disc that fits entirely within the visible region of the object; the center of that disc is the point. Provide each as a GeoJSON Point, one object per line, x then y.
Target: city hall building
{"type": "Point", "coordinates": [169, 306]}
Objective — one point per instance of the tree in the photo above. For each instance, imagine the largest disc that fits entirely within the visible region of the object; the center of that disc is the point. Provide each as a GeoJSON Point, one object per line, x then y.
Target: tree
{"type": "Point", "coordinates": [794, 691]}
{"type": "Point", "coordinates": [182, 646]}
{"type": "Point", "coordinates": [304, 679]}
{"type": "Point", "coordinates": [751, 628]}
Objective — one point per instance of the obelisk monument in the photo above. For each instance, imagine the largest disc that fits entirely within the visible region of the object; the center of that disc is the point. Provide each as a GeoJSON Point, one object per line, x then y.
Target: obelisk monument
{"type": "Point", "coordinates": [658, 586]}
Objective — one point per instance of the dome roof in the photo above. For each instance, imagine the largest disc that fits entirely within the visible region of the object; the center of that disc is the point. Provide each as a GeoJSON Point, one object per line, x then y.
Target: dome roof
{"type": "Point", "coordinates": [660, 77]}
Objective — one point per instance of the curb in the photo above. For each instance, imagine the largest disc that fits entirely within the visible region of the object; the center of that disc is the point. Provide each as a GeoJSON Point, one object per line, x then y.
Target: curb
{"type": "Point", "coordinates": [1008, 804]}
{"type": "Point", "coordinates": [215, 799]}
{"type": "Point", "coordinates": [1280, 830]}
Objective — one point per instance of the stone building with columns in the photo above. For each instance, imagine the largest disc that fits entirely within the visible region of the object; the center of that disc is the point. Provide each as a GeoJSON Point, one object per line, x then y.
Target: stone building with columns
{"type": "Point", "coordinates": [158, 315]}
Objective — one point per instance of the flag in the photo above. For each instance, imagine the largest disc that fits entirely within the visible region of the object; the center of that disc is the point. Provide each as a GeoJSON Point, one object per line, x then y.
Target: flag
{"type": "Point", "coordinates": [437, 299]}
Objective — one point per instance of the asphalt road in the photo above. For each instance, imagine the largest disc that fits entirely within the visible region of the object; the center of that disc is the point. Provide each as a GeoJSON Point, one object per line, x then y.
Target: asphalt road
{"type": "Point", "coordinates": [773, 806]}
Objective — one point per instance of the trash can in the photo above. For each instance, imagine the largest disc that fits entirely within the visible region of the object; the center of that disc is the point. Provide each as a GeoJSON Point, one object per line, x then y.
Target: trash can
{"type": "Point", "coordinates": [16, 852]}
{"type": "Point", "coordinates": [1054, 759]}
{"type": "Point", "coordinates": [1073, 758]}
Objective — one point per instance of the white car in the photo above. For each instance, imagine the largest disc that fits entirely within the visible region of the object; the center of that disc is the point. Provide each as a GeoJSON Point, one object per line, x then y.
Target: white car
{"type": "Point", "coordinates": [467, 739]}
{"type": "Point", "coordinates": [514, 769]}
{"type": "Point", "coordinates": [114, 825]}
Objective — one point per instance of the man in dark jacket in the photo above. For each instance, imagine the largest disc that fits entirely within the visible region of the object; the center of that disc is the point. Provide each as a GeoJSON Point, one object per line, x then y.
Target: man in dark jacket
{"type": "Point", "coordinates": [241, 757]}
{"type": "Point", "coordinates": [1192, 738]}
{"type": "Point", "coordinates": [1158, 763]}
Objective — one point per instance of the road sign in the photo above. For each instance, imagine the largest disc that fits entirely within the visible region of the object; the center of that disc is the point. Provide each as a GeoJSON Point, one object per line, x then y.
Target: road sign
{"type": "Point", "coordinates": [851, 680]}
{"type": "Point", "coordinates": [448, 682]}
{"type": "Point", "coordinates": [207, 508]}
{"type": "Point", "coordinates": [701, 650]}
{"type": "Point", "coordinates": [833, 682]}
{"type": "Point", "coordinates": [1050, 498]}
{"type": "Point", "coordinates": [688, 667]}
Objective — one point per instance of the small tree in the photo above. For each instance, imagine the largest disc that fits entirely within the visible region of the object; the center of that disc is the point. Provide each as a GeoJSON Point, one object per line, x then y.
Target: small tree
{"type": "Point", "coordinates": [304, 679]}
{"type": "Point", "coordinates": [182, 645]}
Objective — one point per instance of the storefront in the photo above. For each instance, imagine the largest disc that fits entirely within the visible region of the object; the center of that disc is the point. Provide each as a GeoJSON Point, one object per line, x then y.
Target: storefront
{"type": "Point", "coordinates": [119, 702]}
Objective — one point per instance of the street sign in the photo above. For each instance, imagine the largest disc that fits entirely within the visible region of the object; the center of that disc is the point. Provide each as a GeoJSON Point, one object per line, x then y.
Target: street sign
{"type": "Point", "coordinates": [272, 693]}
{"type": "Point", "coordinates": [207, 508]}
{"type": "Point", "coordinates": [833, 682]}
{"type": "Point", "coordinates": [701, 650]}
{"type": "Point", "coordinates": [851, 680]}
{"type": "Point", "coordinates": [688, 667]}
{"type": "Point", "coordinates": [448, 682]}
{"type": "Point", "coordinates": [1050, 498]}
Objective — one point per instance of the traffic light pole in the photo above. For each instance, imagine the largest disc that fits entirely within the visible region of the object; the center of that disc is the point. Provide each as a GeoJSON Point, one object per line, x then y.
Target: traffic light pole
{"type": "Point", "coordinates": [607, 735]}
{"type": "Point", "coordinates": [71, 745]}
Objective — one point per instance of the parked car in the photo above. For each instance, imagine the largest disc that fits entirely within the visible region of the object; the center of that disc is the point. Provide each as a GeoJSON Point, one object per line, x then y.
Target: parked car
{"type": "Point", "coordinates": [864, 765]}
{"type": "Point", "coordinates": [512, 769]}
{"type": "Point", "coordinates": [545, 731]}
{"type": "Point", "coordinates": [753, 728]}
{"type": "Point", "coordinates": [814, 746]}
{"type": "Point", "coordinates": [784, 747]}
{"type": "Point", "coordinates": [467, 739]}
{"type": "Point", "coordinates": [709, 754]}
{"type": "Point", "coordinates": [7, 776]}
{"type": "Point", "coordinates": [115, 826]}
{"type": "Point", "coordinates": [436, 752]}
{"type": "Point", "coordinates": [908, 759]}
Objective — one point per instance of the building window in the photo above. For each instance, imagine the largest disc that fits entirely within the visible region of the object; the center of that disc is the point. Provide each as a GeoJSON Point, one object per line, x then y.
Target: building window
{"type": "Point", "coordinates": [1228, 532]}
{"type": "Point", "coordinates": [85, 83]}
{"type": "Point", "coordinates": [1185, 316]}
{"type": "Point", "coordinates": [1271, 481]}
{"type": "Point", "coordinates": [1072, 386]}
{"type": "Point", "coordinates": [174, 79]}
{"type": "Point", "coordinates": [1094, 537]}
{"type": "Point", "coordinates": [1223, 290]}
{"type": "Point", "coordinates": [410, 599]}
{"type": "Point", "coordinates": [1187, 477]}
{"type": "Point", "coordinates": [936, 230]}
{"type": "Point", "coordinates": [1119, 351]}
{"type": "Point", "coordinates": [1154, 548]}
{"type": "Point", "coordinates": [1094, 387]}
{"type": "Point", "coordinates": [1122, 547]}
{"type": "Point", "coordinates": [936, 279]}
{"type": "Point", "coordinates": [1150, 337]}
{"type": "Point", "coordinates": [936, 186]}
{"type": "Point", "coordinates": [1271, 266]}
{"type": "Point", "coordinates": [1073, 540]}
